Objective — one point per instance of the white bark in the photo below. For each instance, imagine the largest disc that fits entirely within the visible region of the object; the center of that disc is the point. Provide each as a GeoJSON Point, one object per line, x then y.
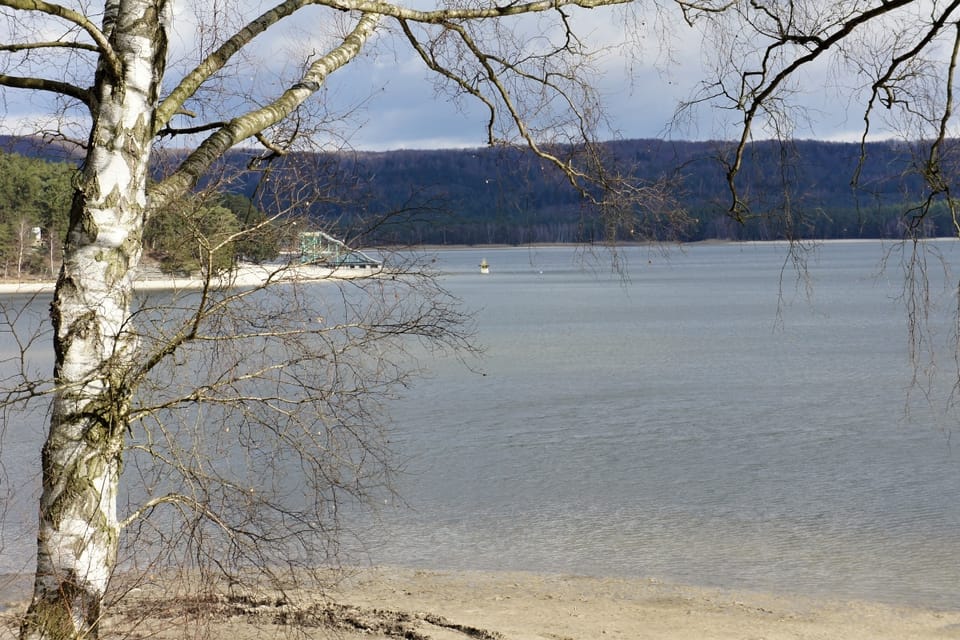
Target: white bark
{"type": "Point", "coordinates": [79, 531]}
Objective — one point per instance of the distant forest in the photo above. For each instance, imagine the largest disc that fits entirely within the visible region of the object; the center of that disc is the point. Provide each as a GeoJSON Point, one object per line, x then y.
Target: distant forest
{"type": "Point", "coordinates": [507, 196]}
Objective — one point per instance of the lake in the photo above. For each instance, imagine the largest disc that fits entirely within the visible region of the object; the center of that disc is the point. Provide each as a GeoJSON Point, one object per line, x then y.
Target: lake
{"type": "Point", "coordinates": [712, 418]}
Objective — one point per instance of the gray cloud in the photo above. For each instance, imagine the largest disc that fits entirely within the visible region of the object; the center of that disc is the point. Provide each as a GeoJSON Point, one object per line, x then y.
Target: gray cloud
{"type": "Point", "coordinates": [392, 103]}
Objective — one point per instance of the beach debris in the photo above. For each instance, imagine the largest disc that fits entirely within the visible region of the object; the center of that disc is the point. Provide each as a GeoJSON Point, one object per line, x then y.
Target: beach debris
{"type": "Point", "coordinates": [278, 610]}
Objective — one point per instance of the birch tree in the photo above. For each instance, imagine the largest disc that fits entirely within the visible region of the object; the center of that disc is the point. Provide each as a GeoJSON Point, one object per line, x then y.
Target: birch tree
{"type": "Point", "coordinates": [116, 73]}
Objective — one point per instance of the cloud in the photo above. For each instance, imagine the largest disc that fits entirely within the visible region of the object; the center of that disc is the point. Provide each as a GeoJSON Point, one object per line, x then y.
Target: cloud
{"type": "Point", "coordinates": [645, 68]}
{"type": "Point", "coordinates": [402, 109]}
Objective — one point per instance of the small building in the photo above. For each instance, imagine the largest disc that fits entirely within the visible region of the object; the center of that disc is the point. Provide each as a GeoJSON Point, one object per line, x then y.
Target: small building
{"type": "Point", "coordinates": [322, 249]}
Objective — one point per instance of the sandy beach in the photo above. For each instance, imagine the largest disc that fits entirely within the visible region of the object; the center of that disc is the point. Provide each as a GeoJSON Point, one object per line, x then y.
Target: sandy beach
{"type": "Point", "coordinates": [383, 603]}
{"type": "Point", "coordinates": [247, 275]}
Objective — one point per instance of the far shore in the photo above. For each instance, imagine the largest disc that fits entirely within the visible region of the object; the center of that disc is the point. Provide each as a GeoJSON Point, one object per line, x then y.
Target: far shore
{"type": "Point", "coordinates": [647, 243]}
{"type": "Point", "coordinates": [383, 603]}
{"type": "Point", "coordinates": [154, 281]}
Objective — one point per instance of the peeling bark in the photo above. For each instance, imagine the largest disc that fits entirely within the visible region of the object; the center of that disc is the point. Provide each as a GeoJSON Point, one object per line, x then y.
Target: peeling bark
{"type": "Point", "coordinates": [79, 530]}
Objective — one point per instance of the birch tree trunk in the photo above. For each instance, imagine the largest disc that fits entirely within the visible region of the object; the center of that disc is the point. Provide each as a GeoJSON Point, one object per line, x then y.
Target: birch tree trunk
{"type": "Point", "coordinates": [79, 531]}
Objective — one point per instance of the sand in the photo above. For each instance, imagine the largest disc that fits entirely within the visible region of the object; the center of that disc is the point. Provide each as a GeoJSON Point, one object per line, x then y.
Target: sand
{"type": "Point", "coordinates": [247, 275]}
{"type": "Point", "coordinates": [383, 603]}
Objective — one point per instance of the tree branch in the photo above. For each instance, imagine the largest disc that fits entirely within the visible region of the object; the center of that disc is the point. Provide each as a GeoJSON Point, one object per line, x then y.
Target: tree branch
{"type": "Point", "coordinates": [465, 13]}
{"type": "Point", "coordinates": [574, 176]}
{"type": "Point", "coordinates": [55, 44]}
{"type": "Point", "coordinates": [882, 83]}
{"type": "Point", "coordinates": [186, 131]}
{"type": "Point", "coordinates": [54, 86]}
{"type": "Point", "coordinates": [759, 96]}
{"type": "Point", "coordinates": [216, 60]}
{"type": "Point", "coordinates": [254, 122]}
{"type": "Point", "coordinates": [173, 498]}
{"type": "Point", "coordinates": [434, 65]}
{"type": "Point", "coordinates": [82, 21]}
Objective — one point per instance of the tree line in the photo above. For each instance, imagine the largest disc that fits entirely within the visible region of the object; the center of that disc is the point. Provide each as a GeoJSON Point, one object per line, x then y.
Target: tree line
{"type": "Point", "coordinates": [508, 195]}
{"type": "Point", "coordinates": [482, 196]}
{"type": "Point", "coordinates": [35, 196]}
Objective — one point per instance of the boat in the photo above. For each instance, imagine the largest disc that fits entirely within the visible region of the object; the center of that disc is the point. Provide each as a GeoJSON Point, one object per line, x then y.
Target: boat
{"type": "Point", "coordinates": [484, 267]}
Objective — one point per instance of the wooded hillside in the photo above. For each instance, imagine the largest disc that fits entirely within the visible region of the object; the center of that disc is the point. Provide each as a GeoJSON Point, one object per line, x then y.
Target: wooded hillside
{"type": "Point", "coordinates": [505, 196]}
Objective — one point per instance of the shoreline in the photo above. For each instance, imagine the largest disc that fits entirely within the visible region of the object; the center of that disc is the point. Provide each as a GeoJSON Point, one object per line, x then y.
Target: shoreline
{"type": "Point", "coordinates": [255, 275]}
{"type": "Point", "coordinates": [384, 602]}
{"type": "Point", "coordinates": [243, 276]}
{"type": "Point", "coordinates": [522, 605]}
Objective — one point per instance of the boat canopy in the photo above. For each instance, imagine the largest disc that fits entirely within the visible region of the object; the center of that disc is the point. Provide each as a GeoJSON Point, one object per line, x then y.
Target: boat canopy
{"type": "Point", "coordinates": [317, 247]}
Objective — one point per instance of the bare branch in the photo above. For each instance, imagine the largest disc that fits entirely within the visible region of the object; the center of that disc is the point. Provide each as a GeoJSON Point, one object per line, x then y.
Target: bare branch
{"type": "Point", "coordinates": [56, 44]}
{"type": "Point", "coordinates": [186, 131]}
{"type": "Point", "coordinates": [53, 86]}
{"type": "Point", "coordinates": [759, 87]}
{"type": "Point", "coordinates": [434, 65]}
{"type": "Point", "coordinates": [254, 122]}
{"type": "Point", "coordinates": [171, 498]}
{"type": "Point", "coordinates": [79, 19]}
{"type": "Point", "coordinates": [216, 60]}
{"type": "Point", "coordinates": [881, 90]}
{"type": "Point", "coordinates": [441, 16]}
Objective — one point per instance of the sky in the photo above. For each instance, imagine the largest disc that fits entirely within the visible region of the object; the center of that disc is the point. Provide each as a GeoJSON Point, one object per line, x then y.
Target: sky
{"type": "Point", "coordinates": [405, 111]}
{"type": "Point", "coordinates": [640, 96]}
{"type": "Point", "coordinates": [399, 107]}
{"type": "Point", "coordinates": [394, 104]}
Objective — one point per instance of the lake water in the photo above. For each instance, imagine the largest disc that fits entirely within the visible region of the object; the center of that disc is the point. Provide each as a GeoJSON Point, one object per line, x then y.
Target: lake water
{"type": "Point", "coordinates": [707, 420]}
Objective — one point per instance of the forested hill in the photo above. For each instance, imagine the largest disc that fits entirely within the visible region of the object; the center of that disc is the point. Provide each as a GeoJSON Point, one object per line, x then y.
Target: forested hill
{"type": "Point", "coordinates": [504, 195]}
{"type": "Point", "coordinates": [484, 196]}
